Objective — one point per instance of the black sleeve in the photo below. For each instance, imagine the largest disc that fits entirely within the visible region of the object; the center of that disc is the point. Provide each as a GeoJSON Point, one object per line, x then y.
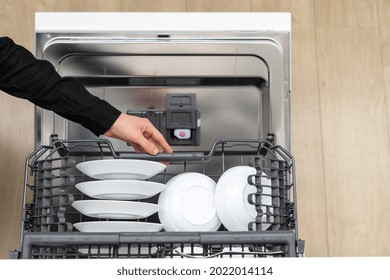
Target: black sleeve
{"type": "Point", "coordinates": [24, 76]}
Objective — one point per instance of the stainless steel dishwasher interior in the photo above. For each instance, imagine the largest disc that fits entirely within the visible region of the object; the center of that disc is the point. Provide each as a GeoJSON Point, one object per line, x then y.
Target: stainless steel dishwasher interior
{"type": "Point", "coordinates": [241, 83]}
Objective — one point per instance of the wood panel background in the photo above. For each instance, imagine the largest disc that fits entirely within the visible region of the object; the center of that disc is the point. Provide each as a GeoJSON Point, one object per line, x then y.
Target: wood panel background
{"type": "Point", "coordinates": [340, 114]}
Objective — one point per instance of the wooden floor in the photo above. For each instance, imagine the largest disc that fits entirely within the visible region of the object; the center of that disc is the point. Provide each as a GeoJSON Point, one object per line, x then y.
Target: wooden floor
{"type": "Point", "coordinates": [340, 115]}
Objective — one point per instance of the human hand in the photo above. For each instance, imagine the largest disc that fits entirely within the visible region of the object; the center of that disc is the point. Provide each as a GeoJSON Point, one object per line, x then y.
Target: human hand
{"type": "Point", "coordinates": [139, 133]}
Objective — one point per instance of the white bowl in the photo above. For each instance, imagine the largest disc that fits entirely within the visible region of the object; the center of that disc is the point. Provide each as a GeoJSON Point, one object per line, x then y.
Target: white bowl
{"type": "Point", "coordinates": [121, 169]}
{"type": "Point", "coordinates": [231, 198]}
{"type": "Point", "coordinates": [188, 204]}
{"type": "Point", "coordinates": [120, 189]}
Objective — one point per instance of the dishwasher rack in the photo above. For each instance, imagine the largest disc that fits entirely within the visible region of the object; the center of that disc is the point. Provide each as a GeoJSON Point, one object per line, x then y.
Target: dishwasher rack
{"type": "Point", "coordinates": [49, 190]}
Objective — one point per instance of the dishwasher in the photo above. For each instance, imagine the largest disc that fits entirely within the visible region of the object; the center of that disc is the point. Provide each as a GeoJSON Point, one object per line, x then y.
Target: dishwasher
{"type": "Point", "coordinates": [216, 85]}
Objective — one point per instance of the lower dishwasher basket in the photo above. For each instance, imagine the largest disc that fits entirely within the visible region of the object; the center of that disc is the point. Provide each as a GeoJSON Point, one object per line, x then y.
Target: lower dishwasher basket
{"type": "Point", "coordinates": [49, 191]}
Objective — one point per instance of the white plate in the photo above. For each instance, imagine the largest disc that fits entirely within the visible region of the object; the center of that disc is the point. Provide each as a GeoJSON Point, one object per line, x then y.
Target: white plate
{"type": "Point", "coordinates": [117, 169]}
{"type": "Point", "coordinates": [187, 204]}
{"type": "Point", "coordinates": [120, 189]}
{"type": "Point", "coordinates": [117, 226]}
{"type": "Point", "coordinates": [231, 198]}
{"type": "Point", "coordinates": [110, 209]}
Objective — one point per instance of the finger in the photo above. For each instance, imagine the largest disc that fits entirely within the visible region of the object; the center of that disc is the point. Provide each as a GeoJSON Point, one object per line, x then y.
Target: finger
{"type": "Point", "coordinates": [160, 149]}
{"type": "Point", "coordinates": [160, 141]}
{"type": "Point", "coordinates": [137, 148]}
{"type": "Point", "coordinates": [152, 133]}
{"type": "Point", "coordinates": [148, 146]}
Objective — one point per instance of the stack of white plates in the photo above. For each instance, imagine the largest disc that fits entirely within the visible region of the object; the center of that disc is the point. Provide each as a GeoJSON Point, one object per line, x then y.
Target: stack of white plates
{"type": "Point", "coordinates": [119, 181]}
{"type": "Point", "coordinates": [188, 202]}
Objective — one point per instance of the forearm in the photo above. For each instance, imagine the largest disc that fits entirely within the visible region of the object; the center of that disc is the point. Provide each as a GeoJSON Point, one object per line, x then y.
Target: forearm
{"type": "Point", "coordinates": [22, 75]}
